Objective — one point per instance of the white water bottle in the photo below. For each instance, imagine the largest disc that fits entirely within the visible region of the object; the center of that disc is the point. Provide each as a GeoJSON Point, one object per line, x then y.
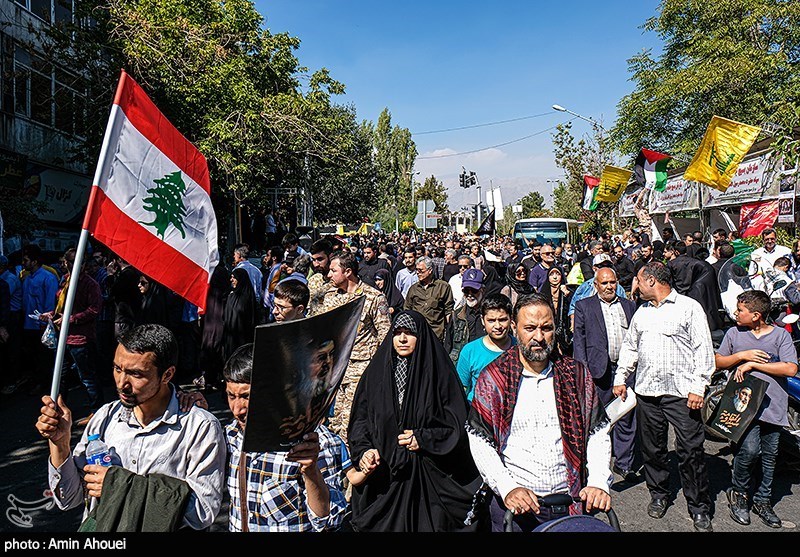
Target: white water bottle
{"type": "Point", "coordinates": [97, 451]}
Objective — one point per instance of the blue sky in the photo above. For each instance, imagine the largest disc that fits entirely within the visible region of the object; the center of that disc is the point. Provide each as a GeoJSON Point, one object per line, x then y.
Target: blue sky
{"type": "Point", "coordinates": [446, 64]}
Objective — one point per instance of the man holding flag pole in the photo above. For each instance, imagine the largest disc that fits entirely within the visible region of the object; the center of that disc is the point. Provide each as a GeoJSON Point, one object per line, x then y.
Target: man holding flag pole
{"type": "Point", "coordinates": [150, 204]}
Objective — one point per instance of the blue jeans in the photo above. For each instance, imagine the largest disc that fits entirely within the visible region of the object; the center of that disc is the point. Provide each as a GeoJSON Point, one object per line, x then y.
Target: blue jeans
{"type": "Point", "coordinates": [760, 438]}
{"type": "Point", "coordinates": [84, 358]}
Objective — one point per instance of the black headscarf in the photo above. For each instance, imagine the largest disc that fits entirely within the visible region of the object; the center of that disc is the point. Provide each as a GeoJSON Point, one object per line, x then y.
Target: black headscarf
{"type": "Point", "coordinates": [211, 344]}
{"type": "Point", "coordinates": [429, 490]}
{"type": "Point", "coordinates": [239, 321]}
{"type": "Point", "coordinates": [393, 296]}
{"type": "Point", "coordinates": [492, 283]}
{"type": "Point", "coordinates": [521, 287]}
{"type": "Point", "coordinates": [561, 315]}
{"type": "Point", "coordinates": [154, 305]}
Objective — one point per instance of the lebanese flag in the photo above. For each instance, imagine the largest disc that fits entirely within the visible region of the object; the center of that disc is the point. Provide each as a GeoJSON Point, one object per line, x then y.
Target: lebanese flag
{"type": "Point", "coordinates": [650, 170]}
{"type": "Point", "coordinates": [590, 184]}
{"type": "Point", "coordinates": [150, 202]}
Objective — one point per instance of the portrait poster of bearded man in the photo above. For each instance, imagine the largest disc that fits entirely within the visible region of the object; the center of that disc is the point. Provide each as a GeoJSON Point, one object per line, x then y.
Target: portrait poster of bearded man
{"type": "Point", "coordinates": [297, 368]}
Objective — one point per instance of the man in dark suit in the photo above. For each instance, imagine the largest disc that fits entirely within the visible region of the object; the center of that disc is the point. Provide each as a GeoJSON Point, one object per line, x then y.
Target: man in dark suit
{"type": "Point", "coordinates": [601, 322]}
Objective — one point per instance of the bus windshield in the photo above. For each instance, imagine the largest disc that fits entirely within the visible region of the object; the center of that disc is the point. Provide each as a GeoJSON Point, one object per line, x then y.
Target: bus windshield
{"type": "Point", "coordinates": [543, 232]}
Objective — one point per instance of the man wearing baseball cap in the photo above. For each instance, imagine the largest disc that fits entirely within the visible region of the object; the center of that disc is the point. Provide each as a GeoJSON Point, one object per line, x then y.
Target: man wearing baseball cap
{"type": "Point", "coordinates": [600, 261]}
{"type": "Point", "coordinates": [465, 324]}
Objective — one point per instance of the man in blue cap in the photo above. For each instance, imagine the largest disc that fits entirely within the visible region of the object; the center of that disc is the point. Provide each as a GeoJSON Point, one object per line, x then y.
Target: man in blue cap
{"type": "Point", "coordinates": [465, 324]}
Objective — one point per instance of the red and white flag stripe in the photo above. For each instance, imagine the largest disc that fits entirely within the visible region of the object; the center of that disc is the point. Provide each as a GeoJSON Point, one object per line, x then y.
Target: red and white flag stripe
{"type": "Point", "coordinates": [179, 248]}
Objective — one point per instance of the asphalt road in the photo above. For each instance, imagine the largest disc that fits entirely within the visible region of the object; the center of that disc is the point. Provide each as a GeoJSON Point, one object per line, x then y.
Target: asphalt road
{"type": "Point", "coordinates": [23, 481]}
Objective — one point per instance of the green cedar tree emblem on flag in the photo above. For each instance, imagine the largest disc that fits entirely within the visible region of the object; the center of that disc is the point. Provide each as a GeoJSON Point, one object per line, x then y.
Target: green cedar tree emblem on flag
{"type": "Point", "coordinates": [166, 201]}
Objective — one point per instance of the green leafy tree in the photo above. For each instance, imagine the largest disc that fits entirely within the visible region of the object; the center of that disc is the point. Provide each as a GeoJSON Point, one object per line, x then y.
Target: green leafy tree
{"type": "Point", "coordinates": [587, 155]}
{"type": "Point", "coordinates": [506, 226]}
{"type": "Point", "coordinates": [20, 214]}
{"type": "Point", "coordinates": [395, 153]}
{"type": "Point", "coordinates": [166, 201]}
{"type": "Point", "coordinates": [533, 206]}
{"type": "Point", "coordinates": [733, 58]}
{"type": "Point", "coordinates": [233, 88]}
{"type": "Point", "coordinates": [434, 190]}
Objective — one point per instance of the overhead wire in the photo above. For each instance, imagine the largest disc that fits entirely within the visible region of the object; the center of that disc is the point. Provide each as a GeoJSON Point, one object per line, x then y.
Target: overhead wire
{"type": "Point", "coordinates": [473, 126]}
{"type": "Point", "coordinates": [497, 145]}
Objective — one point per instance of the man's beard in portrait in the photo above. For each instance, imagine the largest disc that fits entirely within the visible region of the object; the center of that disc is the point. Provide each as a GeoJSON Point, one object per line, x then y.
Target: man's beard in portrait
{"type": "Point", "coordinates": [536, 351]}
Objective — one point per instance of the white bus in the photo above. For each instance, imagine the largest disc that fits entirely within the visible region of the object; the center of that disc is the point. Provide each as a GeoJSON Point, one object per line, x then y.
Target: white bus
{"type": "Point", "coordinates": [547, 231]}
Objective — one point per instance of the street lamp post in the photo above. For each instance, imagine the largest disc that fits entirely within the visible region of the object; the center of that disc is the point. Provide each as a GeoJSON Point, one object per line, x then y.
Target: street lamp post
{"type": "Point", "coordinates": [599, 126]}
{"type": "Point", "coordinates": [411, 175]}
{"type": "Point", "coordinates": [552, 191]}
{"type": "Point", "coordinates": [590, 120]}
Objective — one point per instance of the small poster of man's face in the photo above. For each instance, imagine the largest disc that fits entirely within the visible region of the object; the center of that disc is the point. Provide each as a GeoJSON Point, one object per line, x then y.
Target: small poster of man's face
{"type": "Point", "coordinates": [741, 398]}
{"type": "Point", "coordinates": [788, 183]}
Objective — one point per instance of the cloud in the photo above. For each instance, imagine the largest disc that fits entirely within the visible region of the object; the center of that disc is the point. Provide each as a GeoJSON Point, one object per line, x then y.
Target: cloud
{"type": "Point", "coordinates": [487, 156]}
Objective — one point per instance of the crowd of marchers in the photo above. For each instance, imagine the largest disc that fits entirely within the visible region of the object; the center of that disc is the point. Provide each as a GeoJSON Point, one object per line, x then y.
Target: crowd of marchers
{"type": "Point", "coordinates": [477, 384]}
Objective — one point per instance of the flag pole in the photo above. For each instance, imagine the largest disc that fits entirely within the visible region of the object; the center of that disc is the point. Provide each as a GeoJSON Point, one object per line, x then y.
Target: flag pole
{"type": "Point", "coordinates": [83, 241]}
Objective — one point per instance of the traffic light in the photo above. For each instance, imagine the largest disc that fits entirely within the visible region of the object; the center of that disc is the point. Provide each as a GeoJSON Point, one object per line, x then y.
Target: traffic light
{"type": "Point", "coordinates": [473, 179]}
{"type": "Point", "coordinates": [462, 180]}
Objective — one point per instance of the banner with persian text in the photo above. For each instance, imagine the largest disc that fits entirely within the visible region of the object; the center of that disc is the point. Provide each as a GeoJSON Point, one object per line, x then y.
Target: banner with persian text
{"type": "Point", "coordinates": [679, 195]}
{"type": "Point", "coordinates": [752, 181]}
{"type": "Point", "coordinates": [627, 203]}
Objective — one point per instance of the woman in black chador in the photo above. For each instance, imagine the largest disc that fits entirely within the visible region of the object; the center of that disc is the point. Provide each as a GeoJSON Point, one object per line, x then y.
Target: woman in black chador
{"type": "Point", "coordinates": [239, 319]}
{"type": "Point", "coordinates": [407, 430]}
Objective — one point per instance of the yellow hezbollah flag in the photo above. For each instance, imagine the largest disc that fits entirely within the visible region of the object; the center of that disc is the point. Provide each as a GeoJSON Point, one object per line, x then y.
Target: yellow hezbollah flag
{"type": "Point", "coordinates": [725, 144]}
{"type": "Point", "coordinates": [613, 182]}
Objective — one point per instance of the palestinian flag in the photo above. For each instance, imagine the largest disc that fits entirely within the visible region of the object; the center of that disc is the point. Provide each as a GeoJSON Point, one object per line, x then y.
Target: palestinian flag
{"type": "Point", "coordinates": [650, 170]}
{"type": "Point", "coordinates": [590, 184]}
{"type": "Point", "coordinates": [150, 202]}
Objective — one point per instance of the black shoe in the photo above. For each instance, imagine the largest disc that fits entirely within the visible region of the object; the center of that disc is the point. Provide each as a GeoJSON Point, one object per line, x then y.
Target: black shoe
{"type": "Point", "coordinates": [702, 522]}
{"type": "Point", "coordinates": [737, 504]}
{"type": "Point", "coordinates": [627, 475]}
{"type": "Point", "coordinates": [657, 507]}
{"type": "Point", "coordinates": [767, 515]}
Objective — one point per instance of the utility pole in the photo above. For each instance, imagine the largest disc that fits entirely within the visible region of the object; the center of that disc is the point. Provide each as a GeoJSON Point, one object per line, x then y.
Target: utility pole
{"type": "Point", "coordinates": [474, 178]}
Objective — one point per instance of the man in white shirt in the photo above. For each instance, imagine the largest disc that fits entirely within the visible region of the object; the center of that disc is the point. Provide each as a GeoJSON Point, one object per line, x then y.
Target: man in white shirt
{"type": "Point", "coordinates": [762, 260]}
{"type": "Point", "coordinates": [145, 430]}
{"type": "Point", "coordinates": [408, 274]}
{"type": "Point", "coordinates": [537, 427]}
{"type": "Point", "coordinates": [669, 345]}
{"type": "Point", "coordinates": [464, 263]}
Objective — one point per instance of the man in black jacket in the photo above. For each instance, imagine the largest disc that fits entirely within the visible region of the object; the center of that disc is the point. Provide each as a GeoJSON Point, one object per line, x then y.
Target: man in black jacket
{"type": "Point", "coordinates": [371, 264]}
{"type": "Point", "coordinates": [696, 279]}
{"type": "Point", "coordinates": [624, 268]}
{"type": "Point", "coordinates": [466, 324]}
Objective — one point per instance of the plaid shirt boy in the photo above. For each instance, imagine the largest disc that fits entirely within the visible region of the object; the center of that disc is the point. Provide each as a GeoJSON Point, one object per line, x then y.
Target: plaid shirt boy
{"type": "Point", "coordinates": [276, 495]}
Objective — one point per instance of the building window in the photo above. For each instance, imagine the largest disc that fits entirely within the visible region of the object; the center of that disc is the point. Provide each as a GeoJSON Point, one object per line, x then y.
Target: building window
{"type": "Point", "coordinates": [58, 11]}
{"type": "Point", "coordinates": [70, 98]}
{"type": "Point", "coordinates": [47, 94]}
{"type": "Point", "coordinates": [22, 79]}
{"type": "Point", "coordinates": [7, 75]}
{"type": "Point", "coordinates": [63, 11]}
{"type": "Point", "coordinates": [42, 8]}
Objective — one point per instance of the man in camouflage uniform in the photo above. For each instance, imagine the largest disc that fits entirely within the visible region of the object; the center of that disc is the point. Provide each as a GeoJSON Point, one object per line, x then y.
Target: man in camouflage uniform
{"type": "Point", "coordinates": [318, 283]}
{"type": "Point", "coordinates": [372, 328]}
